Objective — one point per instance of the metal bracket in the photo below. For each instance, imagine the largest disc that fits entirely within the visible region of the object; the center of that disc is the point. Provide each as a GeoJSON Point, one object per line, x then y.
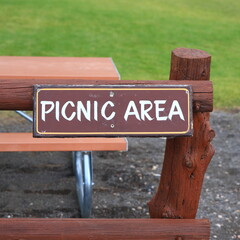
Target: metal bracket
{"type": "Point", "coordinates": [24, 115]}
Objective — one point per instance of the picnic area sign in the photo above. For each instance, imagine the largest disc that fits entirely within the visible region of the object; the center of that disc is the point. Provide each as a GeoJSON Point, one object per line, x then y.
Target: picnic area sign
{"type": "Point", "coordinates": [112, 110]}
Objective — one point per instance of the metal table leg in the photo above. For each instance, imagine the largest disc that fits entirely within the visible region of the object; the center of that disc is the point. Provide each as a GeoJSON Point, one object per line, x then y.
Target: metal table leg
{"type": "Point", "coordinates": [82, 164]}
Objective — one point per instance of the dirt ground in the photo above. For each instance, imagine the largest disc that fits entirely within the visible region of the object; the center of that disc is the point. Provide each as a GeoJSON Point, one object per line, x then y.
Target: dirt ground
{"type": "Point", "coordinates": [35, 184]}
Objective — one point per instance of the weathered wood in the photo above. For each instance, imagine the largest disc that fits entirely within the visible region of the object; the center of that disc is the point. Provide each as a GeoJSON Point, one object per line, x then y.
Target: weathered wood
{"type": "Point", "coordinates": [103, 229]}
{"type": "Point", "coordinates": [22, 142]}
{"type": "Point", "coordinates": [190, 64]}
{"type": "Point", "coordinates": [18, 94]}
{"type": "Point", "coordinates": [186, 159]}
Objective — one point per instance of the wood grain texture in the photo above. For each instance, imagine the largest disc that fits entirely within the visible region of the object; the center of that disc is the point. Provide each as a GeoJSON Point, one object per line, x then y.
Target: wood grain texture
{"type": "Point", "coordinates": [187, 63]}
{"type": "Point", "coordinates": [57, 67]}
{"type": "Point", "coordinates": [186, 159]}
{"type": "Point", "coordinates": [22, 142]}
{"type": "Point", "coordinates": [17, 94]}
{"type": "Point", "coordinates": [103, 229]}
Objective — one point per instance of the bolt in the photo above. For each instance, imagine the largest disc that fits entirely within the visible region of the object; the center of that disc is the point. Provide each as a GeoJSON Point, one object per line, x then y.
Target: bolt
{"type": "Point", "coordinates": [179, 238]}
{"type": "Point", "coordinates": [188, 163]}
{"type": "Point", "coordinates": [197, 106]}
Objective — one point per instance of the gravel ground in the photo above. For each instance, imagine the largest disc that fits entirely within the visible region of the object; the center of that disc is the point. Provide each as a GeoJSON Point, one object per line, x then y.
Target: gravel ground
{"type": "Point", "coordinates": [42, 184]}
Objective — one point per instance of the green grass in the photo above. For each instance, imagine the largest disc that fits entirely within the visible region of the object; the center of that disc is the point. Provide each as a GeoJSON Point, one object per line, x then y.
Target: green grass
{"type": "Point", "coordinates": [138, 34]}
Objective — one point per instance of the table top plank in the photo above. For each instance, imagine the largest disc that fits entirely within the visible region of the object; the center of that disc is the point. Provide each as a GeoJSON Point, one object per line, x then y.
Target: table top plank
{"type": "Point", "coordinates": [86, 68]}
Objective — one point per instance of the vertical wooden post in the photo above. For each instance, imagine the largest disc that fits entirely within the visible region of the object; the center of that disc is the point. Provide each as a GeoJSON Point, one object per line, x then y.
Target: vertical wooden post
{"type": "Point", "coordinates": [186, 159]}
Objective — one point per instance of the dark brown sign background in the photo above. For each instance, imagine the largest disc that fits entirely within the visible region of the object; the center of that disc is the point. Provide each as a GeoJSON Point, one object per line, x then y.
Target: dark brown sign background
{"type": "Point", "coordinates": [116, 99]}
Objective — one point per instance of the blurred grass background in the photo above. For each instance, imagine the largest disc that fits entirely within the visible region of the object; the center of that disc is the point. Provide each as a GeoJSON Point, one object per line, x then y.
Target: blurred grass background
{"type": "Point", "coordinates": [138, 34]}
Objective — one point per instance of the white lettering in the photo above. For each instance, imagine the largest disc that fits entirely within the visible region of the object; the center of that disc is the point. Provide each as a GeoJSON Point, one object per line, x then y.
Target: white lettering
{"type": "Point", "coordinates": [144, 111]}
{"type": "Point", "coordinates": [86, 111]}
{"type": "Point", "coordinates": [44, 111]}
{"type": "Point", "coordinates": [57, 111]}
{"type": "Point", "coordinates": [95, 110]}
{"type": "Point", "coordinates": [103, 110]}
{"type": "Point", "coordinates": [131, 110]}
{"type": "Point", "coordinates": [158, 110]}
{"type": "Point", "coordinates": [178, 111]}
{"type": "Point", "coordinates": [63, 112]}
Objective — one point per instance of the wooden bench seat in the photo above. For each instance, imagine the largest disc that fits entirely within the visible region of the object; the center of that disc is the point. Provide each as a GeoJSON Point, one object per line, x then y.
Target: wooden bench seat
{"type": "Point", "coordinates": [104, 229]}
{"type": "Point", "coordinates": [24, 142]}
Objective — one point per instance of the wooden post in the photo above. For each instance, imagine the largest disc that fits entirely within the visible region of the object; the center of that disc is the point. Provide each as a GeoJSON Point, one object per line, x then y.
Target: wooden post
{"type": "Point", "coordinates": [186, 159]}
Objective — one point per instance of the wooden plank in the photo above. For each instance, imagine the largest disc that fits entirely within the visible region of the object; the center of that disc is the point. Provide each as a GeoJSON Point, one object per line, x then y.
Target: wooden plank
{"type": "Point", "coordinates": [186, 159]}
{"type": "Point", "coordinates": [58, 68]}
{"type": "Point", "coordinates": [14, 142]}
{"type": "Point", "coordinates": [104, 229]}
{"type": "Point", "coordinates": [18, 95]}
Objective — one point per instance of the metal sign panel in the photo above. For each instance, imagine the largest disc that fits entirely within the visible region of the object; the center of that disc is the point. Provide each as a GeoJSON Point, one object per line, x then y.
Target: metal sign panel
{"type": "Point", "coordinates": [112, 110]}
